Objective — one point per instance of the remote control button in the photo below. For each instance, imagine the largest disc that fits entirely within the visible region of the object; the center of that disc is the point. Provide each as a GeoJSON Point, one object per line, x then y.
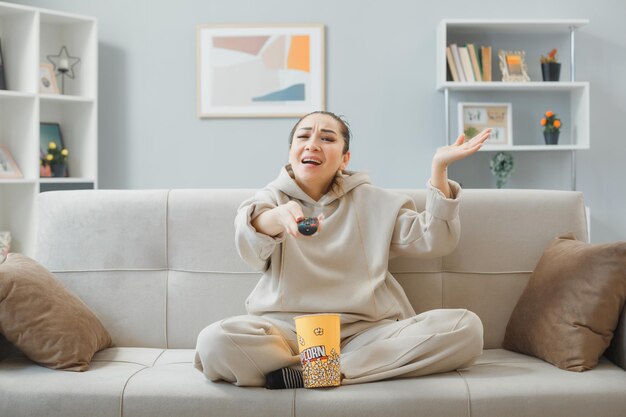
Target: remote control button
{"type": "Point", "coordinates": [308, 226]}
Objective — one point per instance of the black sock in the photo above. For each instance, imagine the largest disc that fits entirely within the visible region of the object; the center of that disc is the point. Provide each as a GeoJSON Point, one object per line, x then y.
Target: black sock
{"type": "Point", "coordinates": [284, 378]}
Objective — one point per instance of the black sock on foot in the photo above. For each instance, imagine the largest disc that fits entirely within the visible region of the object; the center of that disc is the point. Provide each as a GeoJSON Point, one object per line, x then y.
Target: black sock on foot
{"type": "Point", "coordinates": [284, 378]}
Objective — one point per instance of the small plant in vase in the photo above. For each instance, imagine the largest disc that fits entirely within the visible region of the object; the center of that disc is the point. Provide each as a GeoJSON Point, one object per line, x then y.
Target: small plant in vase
{"type": "Point", "coordinates": [550, 66]}
{"type": "Point", "coordinates": [470, 132]}
{"type": "Point", "coordinates": [502, 166]}
{"type": "Point", "coordinates": [551, 128]}
{"type": "Point", "coordinates": [57, 159]}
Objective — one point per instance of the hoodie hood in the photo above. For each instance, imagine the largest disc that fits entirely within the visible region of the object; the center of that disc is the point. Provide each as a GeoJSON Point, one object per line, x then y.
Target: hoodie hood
{"type": "Point", "coordinates": [288, 185]}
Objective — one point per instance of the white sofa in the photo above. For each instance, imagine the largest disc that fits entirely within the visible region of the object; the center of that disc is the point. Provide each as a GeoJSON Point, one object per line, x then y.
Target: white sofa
{"type": "Point", "coordinates": [157, 266]}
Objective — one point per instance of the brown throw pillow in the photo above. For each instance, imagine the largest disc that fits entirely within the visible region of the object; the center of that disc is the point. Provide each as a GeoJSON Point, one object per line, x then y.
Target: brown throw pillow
{"type": "Point", "coordinates": [44, 320]}
{"type": "Point", "coordinates": [571, 306]}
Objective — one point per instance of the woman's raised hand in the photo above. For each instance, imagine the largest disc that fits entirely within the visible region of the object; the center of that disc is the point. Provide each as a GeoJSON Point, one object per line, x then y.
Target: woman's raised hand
{"type": "Point", "coordinates": [460, 149]}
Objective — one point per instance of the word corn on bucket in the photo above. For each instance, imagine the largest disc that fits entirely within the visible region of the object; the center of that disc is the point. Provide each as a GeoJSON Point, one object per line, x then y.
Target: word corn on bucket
{"type": "Point", "coordinates": [318, 340]}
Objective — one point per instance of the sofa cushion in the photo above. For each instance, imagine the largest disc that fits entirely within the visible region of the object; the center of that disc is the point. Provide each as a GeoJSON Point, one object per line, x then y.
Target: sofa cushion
{"type": "Point", "coordinates": [44, 320]}
{"type": "Point", "coordinates": [504, 383]}
{"type": "Point", "coordinates": [156, 382]}
{"type": "Point", "coordinates": [27, 389]}
{"type": "Point", "coordinates": [569, 310]}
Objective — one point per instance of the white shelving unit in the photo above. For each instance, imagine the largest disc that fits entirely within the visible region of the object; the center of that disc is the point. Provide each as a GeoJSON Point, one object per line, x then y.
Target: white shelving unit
{"type": "Point", "coordinates": [28, 35]}
{"type": "Point", "coordinates": [568, 98]}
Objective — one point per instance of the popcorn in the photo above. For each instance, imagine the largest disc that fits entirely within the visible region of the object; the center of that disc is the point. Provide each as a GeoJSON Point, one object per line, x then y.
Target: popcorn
{"type": "Point", "coordinates": [322, 372]}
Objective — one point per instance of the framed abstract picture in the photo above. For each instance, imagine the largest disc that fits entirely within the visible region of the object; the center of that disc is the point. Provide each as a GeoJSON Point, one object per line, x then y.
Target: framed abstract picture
{"type": "Point", "coordinates": [260, 71]}
{"type": "Point", "coordinates": [475, 117]}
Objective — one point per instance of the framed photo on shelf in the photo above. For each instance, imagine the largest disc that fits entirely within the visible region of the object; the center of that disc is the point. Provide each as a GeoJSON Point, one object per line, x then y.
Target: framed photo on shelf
{"type": "Point", "coordinates": [260, 70]}
{"type": "Point", "coordinates": [8, 167]}
{"type": "Point", "coordinates": [49, 132]}
{"type": "Point", "coordinates": [5, 244]}
{"type": "Point", "coordinates": [3, 80]}
{"type": "Point", "coordinates": [475, 117]}
{"type": "Point", "coordinates": [47, 79]}
{"type": "Point", "coordinates": [513, 66]}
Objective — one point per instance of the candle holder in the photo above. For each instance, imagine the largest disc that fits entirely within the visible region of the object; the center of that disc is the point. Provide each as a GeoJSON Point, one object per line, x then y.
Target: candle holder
{"type": "Point", "coordinates": [64, 65]}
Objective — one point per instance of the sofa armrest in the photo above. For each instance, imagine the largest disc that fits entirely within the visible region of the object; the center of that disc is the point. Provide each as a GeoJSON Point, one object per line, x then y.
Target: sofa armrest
{"type": "Point", "coordinates": [616, 352]}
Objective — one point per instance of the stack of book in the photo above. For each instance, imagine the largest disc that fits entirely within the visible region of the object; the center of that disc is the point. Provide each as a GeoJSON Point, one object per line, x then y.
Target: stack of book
{"type": "Point", "coordinates": [468, 64]}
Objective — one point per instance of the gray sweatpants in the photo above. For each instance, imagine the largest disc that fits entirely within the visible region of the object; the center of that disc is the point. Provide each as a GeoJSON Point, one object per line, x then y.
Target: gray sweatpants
{"type": "Point", "coordinates": [243, 349]}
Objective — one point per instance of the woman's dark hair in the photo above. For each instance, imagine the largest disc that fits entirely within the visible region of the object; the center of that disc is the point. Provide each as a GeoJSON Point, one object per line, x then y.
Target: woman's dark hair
{"type": "Point", "coordinates": [345, 128]}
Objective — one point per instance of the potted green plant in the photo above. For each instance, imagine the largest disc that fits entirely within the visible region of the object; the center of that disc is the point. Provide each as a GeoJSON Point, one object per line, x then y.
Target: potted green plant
{"type": "Point", "coordinates": [57, 159]}
{"type": "Point", "coordinates": [502, 166]}
{"type": "Point", "coordinates": [550, 66]}
{"type": "Point", "coordinates": [470, 132]}
{"type": "Point", "coordinates": [551, 128]}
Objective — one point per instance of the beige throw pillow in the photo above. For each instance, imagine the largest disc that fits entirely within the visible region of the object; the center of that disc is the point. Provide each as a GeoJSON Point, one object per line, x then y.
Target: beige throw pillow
{"type": "Point", "coordinates": [571, 306]}
{"type": "Point", "coordinates": [44, 320]}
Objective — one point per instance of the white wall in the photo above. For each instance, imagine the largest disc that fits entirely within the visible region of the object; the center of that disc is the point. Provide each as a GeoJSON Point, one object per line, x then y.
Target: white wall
{"type": "Point", "coordinates": [380, 74]}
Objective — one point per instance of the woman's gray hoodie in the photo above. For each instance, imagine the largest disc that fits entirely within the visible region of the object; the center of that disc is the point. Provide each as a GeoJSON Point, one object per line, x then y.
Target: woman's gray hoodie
{"type": "Point", "coordinates": [344, 267]}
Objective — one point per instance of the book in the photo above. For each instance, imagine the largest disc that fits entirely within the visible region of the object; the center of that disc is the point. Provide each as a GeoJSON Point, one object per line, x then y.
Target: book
{"type": "Point", "coordinates": [486, 61]}
{"type": "Point", "coordinates": [457, 62]}
{"type": "Point", "coordinates": [3, 82]}
{"type": "Point", "coordinates": [452, 65]}
{"type": "Point", "coordinates": [466, 63]}
{"type": "Point", "coordinates": [474, 58]}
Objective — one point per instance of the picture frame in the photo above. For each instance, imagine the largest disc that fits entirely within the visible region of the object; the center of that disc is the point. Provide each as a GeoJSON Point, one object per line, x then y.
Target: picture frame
{"type": "Point", "coordinates": [5, 244]}
{"type": "Point", "coordinates": [260, 70]}
{"type": "Point", "coordinates": [8, 166]}
{"type": "Point", "coordinates": [3, 80]}
{"type": "Point", "coordinates": [513, 66]}
{"type": "Point", "coordinates": [475, 117]}
{"type": "Point", "coordinates": [50, 132]}
{"type": "Point", "coordinates": [47, 79]}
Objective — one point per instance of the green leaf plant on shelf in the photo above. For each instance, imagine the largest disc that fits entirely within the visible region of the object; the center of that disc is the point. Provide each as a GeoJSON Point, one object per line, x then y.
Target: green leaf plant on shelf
{"type": "Point", "coordinates": [54, 164]}
{"type": "Point", "coordinates": [502, 166]}
{"type": "Point", "coordinates": [551, 128]}
{"type": "Point", "coordinates": [470, 132]}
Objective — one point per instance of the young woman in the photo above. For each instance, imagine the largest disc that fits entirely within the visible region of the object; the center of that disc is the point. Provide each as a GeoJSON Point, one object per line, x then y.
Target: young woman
{"type": "Point", "coordinates": [341, 269]}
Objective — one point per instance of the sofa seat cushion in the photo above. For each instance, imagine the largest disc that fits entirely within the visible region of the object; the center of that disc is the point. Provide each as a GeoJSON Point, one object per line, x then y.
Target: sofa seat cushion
{"type": "Point", "coordinates": [173, 387]}
{"type": "Point", "coordinates": [502, 382]}
{"type": "Point", "coordinates": [163, 382]}
{"type": "Point", "coordinates": [28, 389]}
{"type": "Point", "coordinates": [138, 356]}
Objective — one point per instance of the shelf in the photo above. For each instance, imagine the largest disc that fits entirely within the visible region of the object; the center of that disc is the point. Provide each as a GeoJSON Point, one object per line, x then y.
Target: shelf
{"type": "Point", "coordinates": [569, 99]}
{"type": "Point", "coordinates": [65, 98]}
{"type": "Point", "coordinates": [9, 95]}
{"type": "Point", "coordinates": [18, 32]}
{"type": "Point", "coordinates": [513, 86]}
{"type": "Point", "coordinates": [29, 35]}
{"type": "Point", "coordinates": [62, 18]}
{"type": "Point", "coordinates": [17, 181]}
{"type": "Point", "coordinates": [515, 25]}
{"type": "Point", "coordinates": [70, 180]}
{"type": "Point", "coordinates": [78, 35]}
{"type": "Point", "coordinates": [514, 148]}
{"type": "Point", "coordinates": [78, 121]}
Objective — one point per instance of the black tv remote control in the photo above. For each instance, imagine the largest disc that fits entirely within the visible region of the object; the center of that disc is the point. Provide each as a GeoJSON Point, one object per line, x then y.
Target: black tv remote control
{"type": "Point", "coordinates": [308, 226]}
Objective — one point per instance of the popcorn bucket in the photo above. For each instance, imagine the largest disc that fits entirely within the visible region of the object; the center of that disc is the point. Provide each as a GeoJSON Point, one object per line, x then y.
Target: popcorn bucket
{"type": "Point", "coordinates": [318, 340]}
